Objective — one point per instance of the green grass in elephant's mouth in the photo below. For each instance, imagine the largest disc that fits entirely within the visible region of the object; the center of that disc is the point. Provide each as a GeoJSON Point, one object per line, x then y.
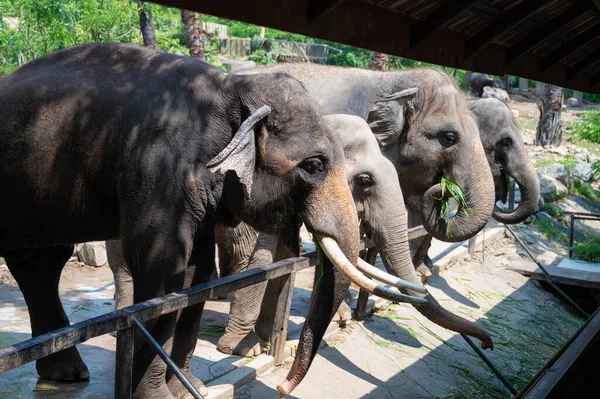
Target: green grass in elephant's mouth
{"type": "Point", "coordinates": [451, 190]}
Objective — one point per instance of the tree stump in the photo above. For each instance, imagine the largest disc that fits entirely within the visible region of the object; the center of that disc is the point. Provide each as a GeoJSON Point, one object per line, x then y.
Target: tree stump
{"type": "Point", "coordinates": [549, 128]}
{"type": "Point", "coordinates": [379, 61]}
{"type": "Point", "coordinates": [146, 24]}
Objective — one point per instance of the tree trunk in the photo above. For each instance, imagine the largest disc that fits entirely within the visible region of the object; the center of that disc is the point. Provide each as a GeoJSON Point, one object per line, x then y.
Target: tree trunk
{"type": "Point", "coordinates": [193, 30]}
{"type": "Point", "coordinates": [146, 24]}
{"type": "Point", "coordinates": [549, 128]}
{"type": "Point", "coordinates": [379, 62]}
{"type": "Point", "coordinates": [262, 32]}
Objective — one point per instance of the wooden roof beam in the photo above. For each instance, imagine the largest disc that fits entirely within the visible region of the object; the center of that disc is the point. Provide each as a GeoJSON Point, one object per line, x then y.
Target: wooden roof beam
{"type": "Point", "coordinates": [570, 46]}
{"type": "Point", "coordinates": [582, 65]}
{"type": "Point", "coordinates": [439, 19]}
{"type": "Point", "coordinates": [538, 35]}
{"type": "Point", "coordinates": [317, 9]}
{"type": "Point", "coordinates": [501, 25]}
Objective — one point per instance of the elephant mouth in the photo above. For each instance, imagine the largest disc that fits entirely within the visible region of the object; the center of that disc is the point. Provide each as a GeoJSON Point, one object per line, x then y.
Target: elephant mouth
{"type": "Point", "coordinates": [358, 275]}
{"type": "Point", "coordinates": [502, 186]}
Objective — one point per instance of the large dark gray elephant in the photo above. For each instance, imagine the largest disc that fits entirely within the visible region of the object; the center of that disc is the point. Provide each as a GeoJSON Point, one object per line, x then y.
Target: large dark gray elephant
{"type": "Point", "coordinates": [478, 81]}
{"type": "Point", "coordinates": [106, 141]}
{"type": "Point", "coordinates": [507, 156]}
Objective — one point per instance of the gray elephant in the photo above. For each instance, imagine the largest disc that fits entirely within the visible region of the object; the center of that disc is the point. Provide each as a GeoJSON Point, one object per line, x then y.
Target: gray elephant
{"type": "Point", "coordinates": [495, 92]}
{"type": "Point", "coordinates": [478, 81]}
{"type": "Point", "coordinates": [380, 206]}
{"type": "Point", "coordinates": [423, 126]}
{"type": "Point", "coordinates": [507, 157]}
{"type": "Point", "coordinates": [104, 141]}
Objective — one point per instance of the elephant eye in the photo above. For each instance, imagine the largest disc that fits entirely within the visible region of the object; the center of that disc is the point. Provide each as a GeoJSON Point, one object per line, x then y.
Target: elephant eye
{"type": "Point", "coordinates": [364, 180]}
{"type": "Point", "coordinates": [448, 139]}
{"type": "Point", "coordinates": [313, 165]}
{"type": "Point", "coordinates": [506, 142]}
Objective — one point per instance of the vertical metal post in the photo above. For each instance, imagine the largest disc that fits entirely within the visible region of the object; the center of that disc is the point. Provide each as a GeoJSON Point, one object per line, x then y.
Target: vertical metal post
{"type": "Point", "coordinates": [360, 313]}
{"type": "Point", "coordinates": [471, 248]}
{"type": "Point", "coordinates": [571, 234]}
{"type": "Point", "coordinates": [280, 323]}
{"type": "Point", "coordinates": [124, 364]}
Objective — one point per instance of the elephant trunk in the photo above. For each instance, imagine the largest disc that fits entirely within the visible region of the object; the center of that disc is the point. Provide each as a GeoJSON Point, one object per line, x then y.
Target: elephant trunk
{"type": "Point", "coordinates": [529, 186]}
{"type": "Point", "coordinates": [392, 242]}
{"type": "Point", "coordinates": [330, 213]}
{"type": "Point", "coordinates": [477, 186]}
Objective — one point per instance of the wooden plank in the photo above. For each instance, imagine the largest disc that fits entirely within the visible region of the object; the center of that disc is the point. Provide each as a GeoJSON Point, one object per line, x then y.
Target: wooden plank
{"type": "Point", "coordinates": [560, 275]}
{"type": "Point", "coordinates": [284, 303]}
{"type": "Point", "coordinates": [378, 29]}
{"type": "Point", "coordinates": [547, 29]}
{"type": "Point", "coordinates": [501, 25]}
{"type": "Point", "coordinates": [439, 19]}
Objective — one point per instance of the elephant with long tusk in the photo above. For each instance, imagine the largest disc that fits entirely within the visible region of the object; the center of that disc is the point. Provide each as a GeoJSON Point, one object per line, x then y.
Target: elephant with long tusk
{"type": "Point", "coordinates": [111, 141]}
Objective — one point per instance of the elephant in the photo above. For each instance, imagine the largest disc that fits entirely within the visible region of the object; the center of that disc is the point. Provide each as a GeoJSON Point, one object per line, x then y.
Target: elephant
{"type": "Point", "coordinates": [507, 157]}
{"type": "Point", "coordinates": [478, 81]}
{"type": "Point", "coordinates": [423, 126]}
{"type": "Point", "coordinates": [380, 206]}
{"type": "Point", "coordinates": [495, 92]}
{"type": "Point", "coordinates": [112, 141]}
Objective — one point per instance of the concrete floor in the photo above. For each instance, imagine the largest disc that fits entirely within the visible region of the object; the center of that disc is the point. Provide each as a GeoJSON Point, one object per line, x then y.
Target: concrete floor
{"type": "Point", "coordinates": [396, 353]}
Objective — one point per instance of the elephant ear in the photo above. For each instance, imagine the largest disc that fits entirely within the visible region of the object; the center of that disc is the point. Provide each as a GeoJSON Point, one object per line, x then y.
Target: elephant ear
{"type": "Point", "coordinates": [489, 90]}
{"type": "Point", "coordinates": [387, 117]}
{"type": "Point", "coordinates": [240, 153]}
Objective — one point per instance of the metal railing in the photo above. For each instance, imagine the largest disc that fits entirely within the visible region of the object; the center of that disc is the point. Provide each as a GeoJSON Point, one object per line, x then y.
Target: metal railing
{"type": "Point", "coordinates": [573, 216]}
{"type": "Point", "coordinates": [126, 320]}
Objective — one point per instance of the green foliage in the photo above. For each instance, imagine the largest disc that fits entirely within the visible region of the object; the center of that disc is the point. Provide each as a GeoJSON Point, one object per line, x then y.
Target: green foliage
{"type": "Point", "coordinates": [589, 127]}
{"type": "Point", "coordinates": [584, 189]}
{"type": "Point", "coordinates": [550, 232]}
{"type": "Point", "coordinates": [451, 190]}
{"type": "Point", "coordinates": [261, 57]}
{"type": "Point", "coordinates": [589, 250]}
{"type": "Point", "coordinates": [570, 163]}
{"type": "Point", "coordinates": [592, 97]}
{"type": "Point", "coordinates": [32, 28]}
{"type": "Point", "coordinates": [596, 170]}
{"type": "Point", "coordinates": [553, 210]}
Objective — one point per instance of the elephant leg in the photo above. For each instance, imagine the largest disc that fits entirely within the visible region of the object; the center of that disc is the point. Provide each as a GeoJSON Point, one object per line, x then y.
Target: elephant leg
{"type": "Point", "coordinates": [121, 273]}
{"type": "Point", "coordinates": [421, 260]}
{"type": "Point", "coordinates": [38, 275]}
{"type": "Point", "coordinates": [200, 269]}
{"type": "Point", "coordinates": [158, 264]}
{"type": "Point", "coordinates": [239, 337]}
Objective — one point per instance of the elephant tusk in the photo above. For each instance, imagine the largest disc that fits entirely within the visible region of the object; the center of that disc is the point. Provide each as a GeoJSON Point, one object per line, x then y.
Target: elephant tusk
{"type": "Point", "coordinates": [339, 260]}
{"type": "Point", "coordinates": [387, 278]}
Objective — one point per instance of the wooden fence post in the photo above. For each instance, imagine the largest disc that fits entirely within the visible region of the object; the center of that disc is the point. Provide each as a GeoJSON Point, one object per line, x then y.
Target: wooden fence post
{"type": "Point", "coordinates": [124, 364]}
{"type": "Point", "coordinates": [282, 314]}
{"type": "Point", "coordinates": [360, 313]}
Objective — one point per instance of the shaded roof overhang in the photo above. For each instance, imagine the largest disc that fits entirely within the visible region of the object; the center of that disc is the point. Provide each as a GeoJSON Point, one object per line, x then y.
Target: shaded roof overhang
{"type": "Point", "coordinates": [552, 41]}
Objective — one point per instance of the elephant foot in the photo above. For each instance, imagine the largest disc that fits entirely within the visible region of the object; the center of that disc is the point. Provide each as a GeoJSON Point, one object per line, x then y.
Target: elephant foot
{"type": "Point", "coordinates": [147, 392]}
{"type": "Point", "coordinates": [343, 314]}
{"type": "Point", "coordinates": [246, 345]}
{"type": "Point", "coordinates": [65, 365]}
{"type": "Point", "coordinates": [179, 391]}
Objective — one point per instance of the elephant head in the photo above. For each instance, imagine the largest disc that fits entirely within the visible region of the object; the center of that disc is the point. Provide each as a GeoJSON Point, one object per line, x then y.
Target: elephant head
{"type": "Point", "coordinates": [507, 157]}
{"type": "Point", "coordinates": [380, 206]}
{"type": "Point", "coordinates": [424, 127]}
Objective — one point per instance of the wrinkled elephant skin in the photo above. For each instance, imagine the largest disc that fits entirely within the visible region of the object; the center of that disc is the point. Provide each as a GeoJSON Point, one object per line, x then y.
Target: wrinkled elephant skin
{"type": "Point", "coordinates": [106, 141]}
